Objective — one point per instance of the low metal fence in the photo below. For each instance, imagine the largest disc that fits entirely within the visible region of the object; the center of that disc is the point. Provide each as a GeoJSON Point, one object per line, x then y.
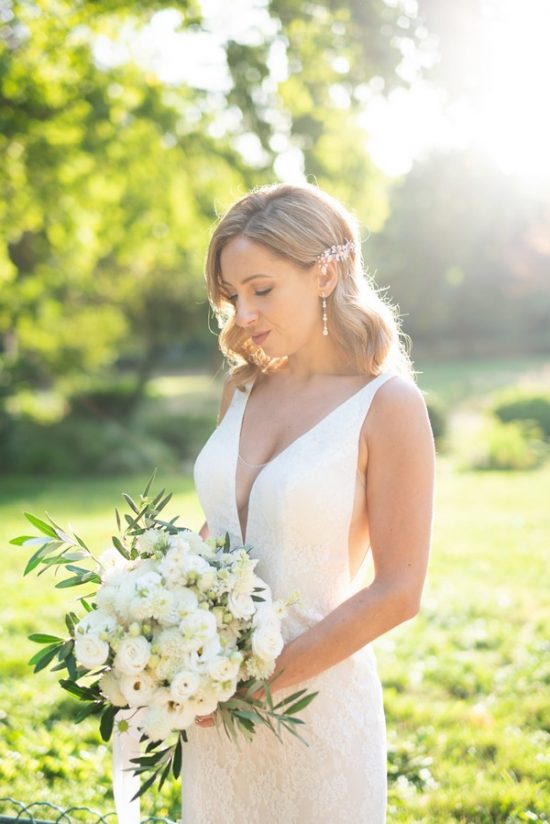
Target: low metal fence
{"type": "Point", "coordinates": [43, 812]}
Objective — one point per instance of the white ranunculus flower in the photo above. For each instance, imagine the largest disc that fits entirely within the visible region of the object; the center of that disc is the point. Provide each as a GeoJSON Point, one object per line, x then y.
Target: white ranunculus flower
{"type": "Point", "coordinates": [125, 593]}
{"type": "Point", "coordinates": [210, 648]}
{"type": "Point", "coordinates": [184, 685]}
{"type": "Point", "coordinates": [90, 651]}
{"type": "Point", "coordinates": [106, 598]}
{"type": "Point", "coordinates": [157, 604]}
{"type": "Point", "coordinates": [267, 641]}
{"type": "Point", "coordinates": [150, 540]}
{"type": "Point", "coordinates": [196, 563]}
{"type": "Point", "coordinates": [204, 701]}
{"type": "Point", "coordinates": [223, 668]}
{"type": "Point", "coordinates": [172, 567]}
{"type": "Point", "coordinates": [147, 582]}
{"type": "Point", "coordinates": [97, 622]}
{"type": "Point", "coordinates": [186, 602]}
{"type": "Point", "coordinates": [225, 689]}
{"type": "Point", "coordinates": [207, 580]}
{"type": "Point", "coordinates": [132, 655]}
{"type": "Point", "coordinates": [138, 689]}
{"type": "Point", "coordinates": [197, 628]}
{"type": "Point", "coordinates": [241, 605]}
{"type": "Point", "coordinates": [110, 687]}
{"type": "Point", "coordinates": [112, 564]}
{"type": "Point", "coordinates": [266, 613]}
{"type": "Point", "coordinates": [156, 723]}
{"type": "Point", "coordinates": [258, 668]}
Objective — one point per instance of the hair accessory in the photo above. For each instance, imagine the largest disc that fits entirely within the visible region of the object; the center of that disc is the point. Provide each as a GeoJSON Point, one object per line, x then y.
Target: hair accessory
{"type": "Point", "coordinates": [338, 252]}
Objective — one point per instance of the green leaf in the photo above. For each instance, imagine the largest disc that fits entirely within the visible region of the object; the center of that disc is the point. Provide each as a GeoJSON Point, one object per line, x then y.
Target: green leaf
{"type": "Point", "coordinates": [117, 543]}
{"type": "Point", "coordinates": [299, 705]}
{"type": "Point", "coordinates": [93, 708]}
{"type": "Point", "coordinates": [46, 658]}
{"type": "Point", "coordinates": [21, 540]}
{"type": "Point", "coordinates": [75, 581]}
{"type": "Point", "coordinates": [144, 787]}
{"type": "Point", "coordinates": [66, 650]}
{"type": "Point", "coordinates": [41, 525]}
{"type": "Point", "coordinates": [149, 482]}
{"type": "Point", "coordinates": [291, 698]}
{"type": "Point", "coordinates": [42, 638]}
{"type": "Point", "coordinates": [81, 543]}
{"type": "Point", "coordinates": [107, 722]}
{"type": "Point", "coordinates": [177, 759]}
{"type": "Point", "coordinates": [165, 774]}
{"type": "Point", "coordinates": [36, 558]}
{"type": "Point", "coordinates": [130, 502]}
{"type": "Point", "coordinates": [163, 503]}
{"type": "Point", "coordinates": [118, 522]}
{"type": "Point", "coordinates": [45, 651]}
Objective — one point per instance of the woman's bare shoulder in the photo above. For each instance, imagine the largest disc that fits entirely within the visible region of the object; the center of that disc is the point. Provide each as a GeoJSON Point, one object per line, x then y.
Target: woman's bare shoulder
{"type": "Point", "coordinates": [398, 406]}
{"type": "Point", "coordinates": [228, 390]}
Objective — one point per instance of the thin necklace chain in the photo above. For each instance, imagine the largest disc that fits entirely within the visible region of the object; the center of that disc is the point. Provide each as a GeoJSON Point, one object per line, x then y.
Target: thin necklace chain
{"type": "Point", "coordinates": [252, 466]}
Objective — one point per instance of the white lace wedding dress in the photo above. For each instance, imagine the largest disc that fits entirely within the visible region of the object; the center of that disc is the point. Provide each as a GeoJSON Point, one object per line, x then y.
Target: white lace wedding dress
{"type": "Point", "coordinates": [299, 513]}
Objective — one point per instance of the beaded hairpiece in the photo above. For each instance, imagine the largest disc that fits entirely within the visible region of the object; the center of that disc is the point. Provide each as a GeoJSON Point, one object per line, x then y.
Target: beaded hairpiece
{"type": "Point", "coordinates": [338, 252]}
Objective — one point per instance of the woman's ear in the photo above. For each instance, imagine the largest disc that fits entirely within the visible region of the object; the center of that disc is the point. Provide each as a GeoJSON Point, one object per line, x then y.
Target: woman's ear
{"type": "Point", "coordinates": [328, 277]}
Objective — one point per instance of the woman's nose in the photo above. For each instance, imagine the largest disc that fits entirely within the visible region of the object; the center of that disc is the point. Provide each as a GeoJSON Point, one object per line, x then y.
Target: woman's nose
{"type": "Point", "coordinates": [245, 314]}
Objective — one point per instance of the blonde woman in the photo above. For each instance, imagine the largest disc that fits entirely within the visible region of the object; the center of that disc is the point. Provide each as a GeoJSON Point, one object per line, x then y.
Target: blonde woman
{"type": "Point", "coordinates": [323, 459]}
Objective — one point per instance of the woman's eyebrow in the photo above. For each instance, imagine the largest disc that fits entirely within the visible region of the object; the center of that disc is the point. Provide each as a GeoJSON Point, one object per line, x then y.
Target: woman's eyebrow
{"type": "Point", "coordinates": [250, 277]}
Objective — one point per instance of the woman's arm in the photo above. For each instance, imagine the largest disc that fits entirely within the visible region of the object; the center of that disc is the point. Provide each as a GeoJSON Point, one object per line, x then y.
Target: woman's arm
{"type": "Point", "coordinates": [227, 394]}
{"type": "Point", "coordinates": [399, 491]}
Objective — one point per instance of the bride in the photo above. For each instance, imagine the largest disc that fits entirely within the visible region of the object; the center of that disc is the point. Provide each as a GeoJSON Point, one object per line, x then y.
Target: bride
{"type": "Point", "coordinates": [323, 453]}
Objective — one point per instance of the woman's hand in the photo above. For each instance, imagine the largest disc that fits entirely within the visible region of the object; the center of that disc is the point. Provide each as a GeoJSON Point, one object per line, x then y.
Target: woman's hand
{"type": "Point", "coordinates": [206, 720]}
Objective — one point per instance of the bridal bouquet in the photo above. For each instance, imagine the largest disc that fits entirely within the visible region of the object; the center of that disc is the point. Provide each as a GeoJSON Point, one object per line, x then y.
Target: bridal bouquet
{"type": "Point", "coordinates": [173, 626]}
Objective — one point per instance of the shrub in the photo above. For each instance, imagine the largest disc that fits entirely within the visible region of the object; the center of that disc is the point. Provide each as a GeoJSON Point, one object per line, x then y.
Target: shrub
{"type": "Point", "coordinates": [508, 446]}
{"type": "Point", "coordinates": [111, 398]}
{"type": "Point", "coordinates": [523, 405]}
{"type": "Point", "coordinates": [72, 447]}
{"type": "Point", "coordinates": [438, 419]}
{"type": "Point", "coordinates": [183, 434]}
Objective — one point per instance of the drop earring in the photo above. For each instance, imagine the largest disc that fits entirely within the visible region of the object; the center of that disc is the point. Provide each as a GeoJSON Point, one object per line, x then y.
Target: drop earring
{"type": "Point", "coordinates": [324, 304]}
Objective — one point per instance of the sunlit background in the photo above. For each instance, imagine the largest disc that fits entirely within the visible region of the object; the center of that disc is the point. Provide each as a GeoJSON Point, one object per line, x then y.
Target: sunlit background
{"type": "Point", "coordinates": [126, 128]}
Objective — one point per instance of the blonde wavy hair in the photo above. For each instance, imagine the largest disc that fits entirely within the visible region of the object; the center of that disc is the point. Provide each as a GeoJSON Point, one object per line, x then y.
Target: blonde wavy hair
{"type": "Point", "coordinates": [298, 222]}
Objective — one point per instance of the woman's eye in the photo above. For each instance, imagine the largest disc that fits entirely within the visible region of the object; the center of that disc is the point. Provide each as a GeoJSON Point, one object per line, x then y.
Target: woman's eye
{"type": "Point", "coordinates": [263, 292]}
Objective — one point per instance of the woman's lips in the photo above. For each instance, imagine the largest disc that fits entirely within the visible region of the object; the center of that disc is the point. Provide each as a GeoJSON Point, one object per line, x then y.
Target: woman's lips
{"type": "Point", "coordinates": [259, 339]}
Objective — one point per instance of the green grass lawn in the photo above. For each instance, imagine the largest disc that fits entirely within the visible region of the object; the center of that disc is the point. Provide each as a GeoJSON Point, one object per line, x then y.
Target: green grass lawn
{"type": "Point", "coordinates": [464, 681]}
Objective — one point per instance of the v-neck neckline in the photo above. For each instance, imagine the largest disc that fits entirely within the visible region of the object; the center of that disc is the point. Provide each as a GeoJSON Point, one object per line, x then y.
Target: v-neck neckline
{"type": "Point", "coordinates": [243, 534]}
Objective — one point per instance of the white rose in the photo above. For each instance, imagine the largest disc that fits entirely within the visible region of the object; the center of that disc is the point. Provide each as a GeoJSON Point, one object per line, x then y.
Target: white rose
{"type": "Point", "coordinates": [224, 669]}
{"type": "Point", "coordinates": [91, 651]}
{"type": "Point", "coordinates": [138, 689]}
{"type": "Point", "coordinates": [132, 655]}
{"type": "Point", "coordinates": [110, 687]}
{"type": "Point", "coordinates": [184, 685]}
{"type": "Point", "coordinates": [267, 641]}
{"type": "Point", "coordinates": [241, 605]}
